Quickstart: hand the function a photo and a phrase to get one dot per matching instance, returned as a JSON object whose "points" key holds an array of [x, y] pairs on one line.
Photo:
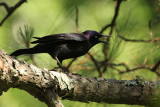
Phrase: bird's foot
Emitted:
{"points": [[57, 69], [14, 57], [60, 69]]}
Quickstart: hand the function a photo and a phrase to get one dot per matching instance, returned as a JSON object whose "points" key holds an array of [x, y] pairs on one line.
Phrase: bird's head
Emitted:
{"points": [[94, 37]]}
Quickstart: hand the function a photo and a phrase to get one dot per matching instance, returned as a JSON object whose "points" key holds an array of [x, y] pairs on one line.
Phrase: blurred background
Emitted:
{"points": [[44, 17]]}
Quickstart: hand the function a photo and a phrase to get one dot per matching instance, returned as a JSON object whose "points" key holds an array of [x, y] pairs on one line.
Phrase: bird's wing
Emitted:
{"points": [[60, 37]]}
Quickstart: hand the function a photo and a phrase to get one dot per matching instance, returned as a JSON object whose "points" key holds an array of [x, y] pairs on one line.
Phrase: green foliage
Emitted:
{"points": [[24, 36], [116, 47], [19, 98], [58, 16]]}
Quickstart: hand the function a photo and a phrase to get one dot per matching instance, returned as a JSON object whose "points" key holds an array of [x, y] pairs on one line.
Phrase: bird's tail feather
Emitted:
{"points": [[22, 51], [36, 37]]}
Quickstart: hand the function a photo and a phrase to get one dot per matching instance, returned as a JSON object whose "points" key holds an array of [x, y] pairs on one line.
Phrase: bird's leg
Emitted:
{"points": [[59, 63]]}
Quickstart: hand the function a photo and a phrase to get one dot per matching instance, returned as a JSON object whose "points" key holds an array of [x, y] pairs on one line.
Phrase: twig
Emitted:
{"points": [[76, 21], [24, 36], [113, 65], [33, 60], [132, 69], [120, 64], [150, 29], [156, 66], [69, 65], [113, 23], [153, 69], [141, 40], [135, 40], [96, 64], [5, 6], [10, 10], [104, 28]]}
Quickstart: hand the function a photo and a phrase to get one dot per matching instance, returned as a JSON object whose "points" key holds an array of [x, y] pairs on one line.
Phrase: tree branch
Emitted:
{"points": [[96, 64], [156, 66], [141, 40], [5, 6], [118, 3], [153, 69], [127, 69], [71, 62], [10, 10], [112, 24], [46, 85]]}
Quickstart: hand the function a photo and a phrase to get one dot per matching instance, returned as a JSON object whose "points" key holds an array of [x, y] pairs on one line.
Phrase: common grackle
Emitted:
{"points": [[63, 46]]}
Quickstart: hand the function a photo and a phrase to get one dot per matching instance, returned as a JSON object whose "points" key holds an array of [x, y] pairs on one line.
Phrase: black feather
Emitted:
{"points": [[60, 37]]}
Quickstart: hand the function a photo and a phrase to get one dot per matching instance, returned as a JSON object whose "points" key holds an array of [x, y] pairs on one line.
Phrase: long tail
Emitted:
{"points": [[23, 51]]}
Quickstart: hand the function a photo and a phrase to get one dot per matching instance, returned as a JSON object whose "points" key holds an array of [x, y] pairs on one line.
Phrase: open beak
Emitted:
{"points": [[102, 38]]}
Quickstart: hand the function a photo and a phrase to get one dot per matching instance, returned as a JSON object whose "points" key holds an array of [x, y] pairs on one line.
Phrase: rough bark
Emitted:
{"points": [[48, 85]]}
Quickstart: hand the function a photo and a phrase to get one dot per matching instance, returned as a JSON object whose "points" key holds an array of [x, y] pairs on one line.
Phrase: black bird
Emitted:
{"points": [[63, 46]]}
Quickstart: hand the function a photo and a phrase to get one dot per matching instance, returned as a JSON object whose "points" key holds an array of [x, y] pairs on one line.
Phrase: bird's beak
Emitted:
{"points": [[102, 37]]}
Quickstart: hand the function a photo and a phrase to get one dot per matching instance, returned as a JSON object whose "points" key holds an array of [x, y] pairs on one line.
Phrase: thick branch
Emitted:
{"points": [[45, 85], [38, 82]]}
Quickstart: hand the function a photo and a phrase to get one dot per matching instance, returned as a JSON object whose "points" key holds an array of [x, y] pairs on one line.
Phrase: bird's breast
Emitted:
{"points": [[73, 50]]}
